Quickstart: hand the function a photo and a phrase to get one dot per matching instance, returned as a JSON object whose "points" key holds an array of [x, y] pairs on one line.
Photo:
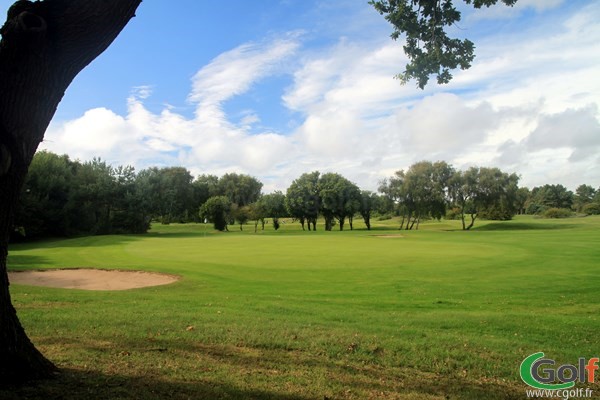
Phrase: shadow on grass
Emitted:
{"points": [[180, 235], [366, 380], [74, 242], [17, 262], [241, 372], [76, 385], [523, 226], [79, 385]]}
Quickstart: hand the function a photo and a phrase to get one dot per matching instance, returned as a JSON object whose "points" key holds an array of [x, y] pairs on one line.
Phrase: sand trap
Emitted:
{"points": [[396, 235], [90, 279]]}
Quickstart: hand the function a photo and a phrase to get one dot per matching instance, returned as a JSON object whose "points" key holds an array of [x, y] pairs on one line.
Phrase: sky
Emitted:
{"points": [[277, 88]]}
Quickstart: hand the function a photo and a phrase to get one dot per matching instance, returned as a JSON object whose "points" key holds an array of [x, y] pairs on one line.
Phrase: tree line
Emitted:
{"points": [[63, 197]]}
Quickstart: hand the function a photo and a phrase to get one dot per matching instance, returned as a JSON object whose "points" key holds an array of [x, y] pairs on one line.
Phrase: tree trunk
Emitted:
{"points": [[473, 218], [402, 222], [44, 46], [18, 357], [328, 223], [412, 224], [462, 215]]}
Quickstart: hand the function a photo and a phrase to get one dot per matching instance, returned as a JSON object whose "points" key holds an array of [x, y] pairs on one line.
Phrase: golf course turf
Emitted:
{"points": [[431, 314]]}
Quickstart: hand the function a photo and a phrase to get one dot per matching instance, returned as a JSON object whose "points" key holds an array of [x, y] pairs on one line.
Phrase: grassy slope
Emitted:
{"points": [[293, 314]]}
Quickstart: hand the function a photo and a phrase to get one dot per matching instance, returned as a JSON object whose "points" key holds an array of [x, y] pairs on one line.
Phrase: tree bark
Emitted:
{"points": [[473, 218], [342, 221], [367, 222], [44, 46]]}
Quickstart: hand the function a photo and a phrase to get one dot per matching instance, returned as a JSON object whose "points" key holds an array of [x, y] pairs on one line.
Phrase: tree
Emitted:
{"points": [[584, 194], [420, 192], [339, 198], [172, 193], [426, 183], [478, 189], [205, 187], [549, 196], [273, 206], [61, 197], [393, 197], [523, 194], [130, 211], [44, 45], [258, 214], [369, 202], [217, 210], [92, 197], [302, 199], [45, 194], [240, 214], [240, 189], [428, 47]]}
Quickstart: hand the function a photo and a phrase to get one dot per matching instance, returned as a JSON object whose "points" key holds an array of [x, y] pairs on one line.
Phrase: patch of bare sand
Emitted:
{"points": [[91, 279], [389, 236]]}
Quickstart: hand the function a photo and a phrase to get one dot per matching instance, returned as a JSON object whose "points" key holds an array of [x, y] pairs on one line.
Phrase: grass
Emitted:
{"points": [[433, 314]]}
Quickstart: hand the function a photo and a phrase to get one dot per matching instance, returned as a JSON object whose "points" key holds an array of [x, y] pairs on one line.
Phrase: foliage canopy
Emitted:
{"points": [[428, 47]]}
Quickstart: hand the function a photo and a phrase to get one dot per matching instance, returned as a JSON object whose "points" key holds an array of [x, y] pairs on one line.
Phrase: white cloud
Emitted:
{"points": [[578, 130], [233, 72], [529, 104], [501, 11]]}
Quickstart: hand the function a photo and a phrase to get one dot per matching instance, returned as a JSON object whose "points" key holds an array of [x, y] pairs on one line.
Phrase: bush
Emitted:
{"points": [[591, 209], [496, 214], [557, 213], [535, 209], [453, 213], [384, 217]]}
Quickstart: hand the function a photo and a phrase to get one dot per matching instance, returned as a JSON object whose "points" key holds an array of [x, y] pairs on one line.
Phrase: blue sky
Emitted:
{"points": [[276, 88]]}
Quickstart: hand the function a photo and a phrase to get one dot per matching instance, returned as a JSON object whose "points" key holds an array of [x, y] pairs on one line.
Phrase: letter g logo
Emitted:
{"points": [[529, 373]]}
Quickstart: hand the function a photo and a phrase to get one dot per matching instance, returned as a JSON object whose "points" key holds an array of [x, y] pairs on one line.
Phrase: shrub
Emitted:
{"points": [[384, 217], [496, 213], [557, 213], [453, 213], [535, 208], [591, 209]]}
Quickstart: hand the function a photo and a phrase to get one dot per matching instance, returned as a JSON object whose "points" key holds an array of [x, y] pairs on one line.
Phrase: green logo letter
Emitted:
{"points": [[527, 375]]}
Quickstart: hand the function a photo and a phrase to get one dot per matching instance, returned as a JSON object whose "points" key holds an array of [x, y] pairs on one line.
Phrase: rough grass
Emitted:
{"points": [[434, 314]]}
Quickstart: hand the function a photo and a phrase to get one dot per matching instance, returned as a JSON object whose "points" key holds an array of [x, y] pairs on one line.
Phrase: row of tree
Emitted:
{"points": [[427, 189], [62, 197]]}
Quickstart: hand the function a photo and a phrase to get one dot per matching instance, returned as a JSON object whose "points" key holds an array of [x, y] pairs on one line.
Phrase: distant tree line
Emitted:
{"points": [[62, 197]]}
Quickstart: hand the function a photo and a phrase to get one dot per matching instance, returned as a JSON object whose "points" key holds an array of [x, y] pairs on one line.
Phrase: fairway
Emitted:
{"points": [[431, 314]]}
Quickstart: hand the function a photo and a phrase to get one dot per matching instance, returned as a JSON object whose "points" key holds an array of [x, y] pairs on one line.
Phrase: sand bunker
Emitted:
{"points": [[389, 236], [91, 279]]}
